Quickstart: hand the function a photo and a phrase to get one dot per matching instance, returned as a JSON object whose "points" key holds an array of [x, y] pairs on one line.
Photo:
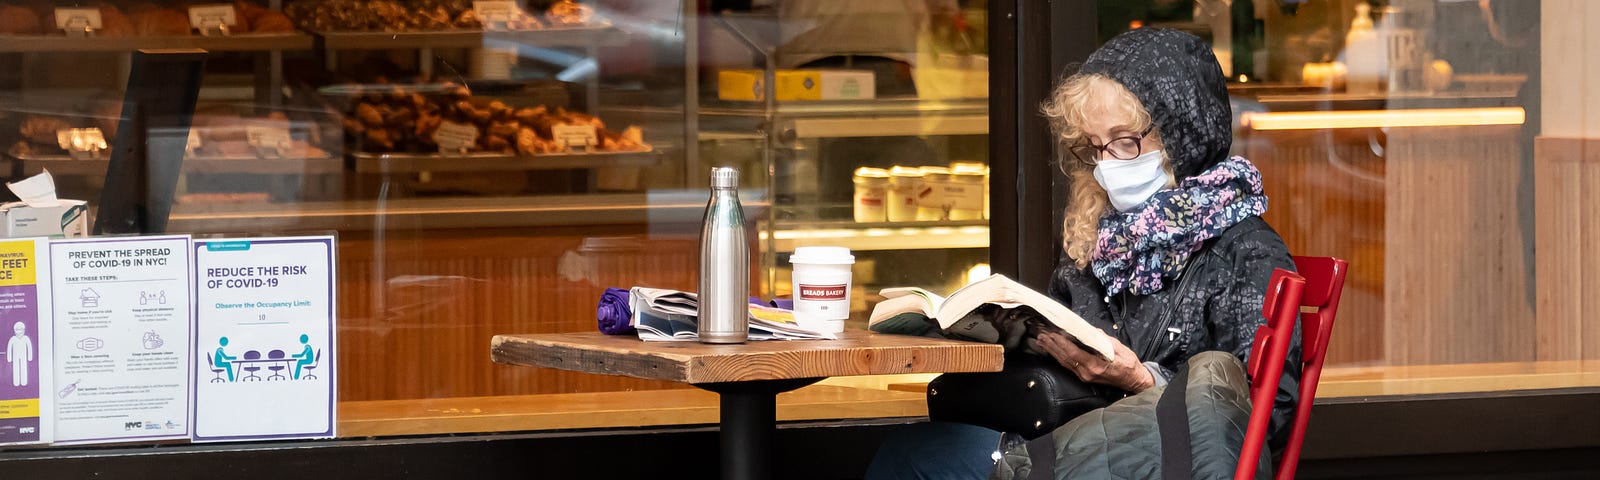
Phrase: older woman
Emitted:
{"points": [[1164, 247]]}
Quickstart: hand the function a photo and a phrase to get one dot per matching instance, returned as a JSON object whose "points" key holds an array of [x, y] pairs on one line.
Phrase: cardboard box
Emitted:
{"points": [[848, 85], [791, 85], [67, 219]]}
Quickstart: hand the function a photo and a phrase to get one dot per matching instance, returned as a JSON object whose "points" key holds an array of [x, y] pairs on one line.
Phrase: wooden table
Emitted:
{"points": [[748, 377]]}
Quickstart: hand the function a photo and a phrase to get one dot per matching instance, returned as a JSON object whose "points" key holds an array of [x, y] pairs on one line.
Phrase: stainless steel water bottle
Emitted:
{"points": [[724, 263]]}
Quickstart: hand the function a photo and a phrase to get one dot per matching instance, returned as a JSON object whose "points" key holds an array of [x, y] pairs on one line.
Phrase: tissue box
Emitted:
{"points": [[848, 85], [792, 85], [68, 219]]}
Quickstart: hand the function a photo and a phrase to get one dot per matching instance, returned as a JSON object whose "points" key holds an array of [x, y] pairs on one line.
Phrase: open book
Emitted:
{"points": [[995, 309], [671, 315]]}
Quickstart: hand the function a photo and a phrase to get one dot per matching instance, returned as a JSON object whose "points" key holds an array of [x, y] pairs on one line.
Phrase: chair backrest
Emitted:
{"points": [[1324, 284], [1267, 356], [210, 363]]}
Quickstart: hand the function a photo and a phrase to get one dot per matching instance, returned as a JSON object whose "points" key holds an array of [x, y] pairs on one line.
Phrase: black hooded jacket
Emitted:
{"points": [[1216, 303]]}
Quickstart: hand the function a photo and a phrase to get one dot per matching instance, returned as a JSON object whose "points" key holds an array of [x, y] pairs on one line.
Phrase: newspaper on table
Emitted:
{"points": [[670, 315]]}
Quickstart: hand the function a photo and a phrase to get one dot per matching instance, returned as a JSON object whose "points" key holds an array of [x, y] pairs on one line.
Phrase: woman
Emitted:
{"points": [[1163, 242]]}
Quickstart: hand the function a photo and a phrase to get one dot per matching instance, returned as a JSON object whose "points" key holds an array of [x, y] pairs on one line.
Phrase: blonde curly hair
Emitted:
{"points": [[1070, 105]]}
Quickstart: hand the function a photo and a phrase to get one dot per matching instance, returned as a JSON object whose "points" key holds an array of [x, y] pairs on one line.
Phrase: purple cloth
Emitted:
{"points": [[782, 303], [613, 313]]}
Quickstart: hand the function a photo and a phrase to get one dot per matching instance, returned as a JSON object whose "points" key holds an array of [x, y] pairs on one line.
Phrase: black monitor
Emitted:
{"points": [[147, 153]]}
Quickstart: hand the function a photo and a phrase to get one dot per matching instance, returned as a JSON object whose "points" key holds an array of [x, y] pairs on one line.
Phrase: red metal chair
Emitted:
{"points": [[1323, 282], [1267, 355]]}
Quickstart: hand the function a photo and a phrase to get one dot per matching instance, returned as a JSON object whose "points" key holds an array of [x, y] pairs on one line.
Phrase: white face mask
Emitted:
{"points": [[1131, 182]]}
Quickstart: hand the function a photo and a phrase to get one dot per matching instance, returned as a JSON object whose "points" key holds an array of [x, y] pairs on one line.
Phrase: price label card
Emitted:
{"points": [[80, 142], [455, 137], [270, 141], [78, 19], [494, 12], [211, 16], [574, 135]]}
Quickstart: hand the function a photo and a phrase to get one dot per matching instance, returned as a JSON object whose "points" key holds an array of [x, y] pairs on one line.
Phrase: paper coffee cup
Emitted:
{"points": [[822, 284]]}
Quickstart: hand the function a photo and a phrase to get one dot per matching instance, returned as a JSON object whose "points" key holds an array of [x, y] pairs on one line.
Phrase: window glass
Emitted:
{"points": [[493, 170], [1435, 145]]}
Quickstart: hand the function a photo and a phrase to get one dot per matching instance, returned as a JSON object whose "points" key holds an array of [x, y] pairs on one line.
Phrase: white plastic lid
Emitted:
{"points": [[822, 256]]}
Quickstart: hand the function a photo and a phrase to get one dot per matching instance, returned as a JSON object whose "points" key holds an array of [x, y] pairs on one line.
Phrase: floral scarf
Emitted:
{"points": [[1141, 249]]}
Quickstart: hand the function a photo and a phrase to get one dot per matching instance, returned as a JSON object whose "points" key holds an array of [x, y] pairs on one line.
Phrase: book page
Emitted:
{"points": [[997, 289]]}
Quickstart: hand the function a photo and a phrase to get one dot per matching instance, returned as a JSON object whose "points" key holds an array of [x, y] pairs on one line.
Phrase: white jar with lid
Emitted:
{"points": [[872, 191], [965, 192], [932, 205], [905, 183]]}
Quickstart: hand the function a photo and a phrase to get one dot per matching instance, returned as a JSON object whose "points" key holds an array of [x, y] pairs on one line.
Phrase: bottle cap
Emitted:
{"points": [[724, 177]]}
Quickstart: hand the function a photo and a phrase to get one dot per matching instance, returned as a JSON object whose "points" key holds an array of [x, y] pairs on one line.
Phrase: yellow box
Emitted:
{"points": [[792, 85]]}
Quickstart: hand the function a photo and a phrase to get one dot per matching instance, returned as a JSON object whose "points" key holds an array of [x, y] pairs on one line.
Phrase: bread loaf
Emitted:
{"points": [[17, 20], [160, 22]]}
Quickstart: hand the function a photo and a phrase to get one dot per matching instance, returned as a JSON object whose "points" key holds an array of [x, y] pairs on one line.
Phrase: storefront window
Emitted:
{"points": [[494, 171]]}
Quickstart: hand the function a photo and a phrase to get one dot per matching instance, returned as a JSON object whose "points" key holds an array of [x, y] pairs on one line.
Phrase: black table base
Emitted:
{"points": [[749, 417]]}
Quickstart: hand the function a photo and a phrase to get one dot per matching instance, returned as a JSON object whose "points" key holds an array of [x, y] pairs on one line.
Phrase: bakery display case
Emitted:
{"points": [[492, 166], [872, 119], [458, 149], [877, 176]]}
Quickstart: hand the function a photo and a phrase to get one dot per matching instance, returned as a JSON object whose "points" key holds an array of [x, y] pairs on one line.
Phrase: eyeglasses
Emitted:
{"points": [[1120, 148]]}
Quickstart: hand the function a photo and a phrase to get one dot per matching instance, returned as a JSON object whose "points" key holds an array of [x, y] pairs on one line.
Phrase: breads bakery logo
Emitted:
{"points": [[823, 292]]}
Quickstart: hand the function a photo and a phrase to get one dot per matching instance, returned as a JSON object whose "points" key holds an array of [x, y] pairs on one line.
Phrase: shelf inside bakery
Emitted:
{"points": [[861, 118], [586, 36], [247, 42], [932, 235], [390, 163], [62, 165], [684, 208]]}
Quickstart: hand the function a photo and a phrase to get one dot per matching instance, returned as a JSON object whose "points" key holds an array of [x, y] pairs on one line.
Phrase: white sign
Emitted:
{"points": [[268, 141], [122, 338], [81, 142], [494, 13], [206, 18], [78, 19], [265, 329], [455, 137], [25, 388], [574, 135]]}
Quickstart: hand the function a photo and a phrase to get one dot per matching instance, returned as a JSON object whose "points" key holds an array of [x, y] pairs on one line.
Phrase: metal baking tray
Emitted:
{"points": [[601, 34], [387, 163], [32, 164], [233, 43]]}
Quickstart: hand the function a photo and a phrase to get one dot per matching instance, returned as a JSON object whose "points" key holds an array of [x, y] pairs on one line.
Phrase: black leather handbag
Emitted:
{"points": [[1030, 396]]}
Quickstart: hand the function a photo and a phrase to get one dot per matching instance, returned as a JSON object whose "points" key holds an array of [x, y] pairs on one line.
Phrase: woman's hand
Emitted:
{"points": [[1123, 371]]}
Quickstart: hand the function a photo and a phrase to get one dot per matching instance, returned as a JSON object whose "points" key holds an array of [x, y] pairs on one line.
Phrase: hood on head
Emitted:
{"points": [[1180, 83]]}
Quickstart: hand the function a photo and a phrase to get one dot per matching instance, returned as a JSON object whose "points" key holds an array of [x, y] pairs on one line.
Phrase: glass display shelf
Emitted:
{"points": [[881, 235]]}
